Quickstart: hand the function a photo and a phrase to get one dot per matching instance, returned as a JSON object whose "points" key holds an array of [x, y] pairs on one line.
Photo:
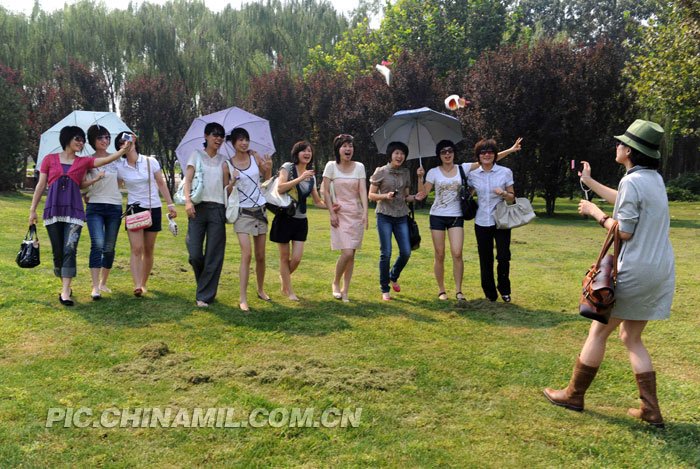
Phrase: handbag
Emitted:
{"points": [[141, 220], [277, 203], [598, 286], [232, 201], [196, 187], [28, 255], [513, 215], [413, 232], [466, 198]]}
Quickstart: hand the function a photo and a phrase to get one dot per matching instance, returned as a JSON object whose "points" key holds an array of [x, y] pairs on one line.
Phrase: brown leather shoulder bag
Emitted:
{"points": [[598, 286]]}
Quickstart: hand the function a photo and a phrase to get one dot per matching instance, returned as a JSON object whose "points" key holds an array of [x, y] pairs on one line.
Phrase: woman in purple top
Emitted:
{"points": [[63, 212]]}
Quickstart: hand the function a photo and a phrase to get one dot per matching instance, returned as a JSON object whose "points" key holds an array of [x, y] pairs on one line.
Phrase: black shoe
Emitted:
{"points": [[96, 296], [65, 302], [506, 298]]}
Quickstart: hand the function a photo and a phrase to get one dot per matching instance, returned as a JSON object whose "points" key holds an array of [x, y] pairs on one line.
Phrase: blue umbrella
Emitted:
{"points": [[49, 142], [420, 129]]}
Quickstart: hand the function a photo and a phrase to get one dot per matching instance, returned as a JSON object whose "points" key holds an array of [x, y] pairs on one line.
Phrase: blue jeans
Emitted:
{"points": [[103, 221], [387, 225]]}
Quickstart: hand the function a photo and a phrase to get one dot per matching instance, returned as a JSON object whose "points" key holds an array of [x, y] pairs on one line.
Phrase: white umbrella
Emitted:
{"points": [[419, 129], [49, 142], [257, 127]]}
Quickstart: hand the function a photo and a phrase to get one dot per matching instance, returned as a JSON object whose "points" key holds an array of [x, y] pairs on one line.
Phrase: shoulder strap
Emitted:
{"points": [[611, 240], [461, 174], [148, 165]]}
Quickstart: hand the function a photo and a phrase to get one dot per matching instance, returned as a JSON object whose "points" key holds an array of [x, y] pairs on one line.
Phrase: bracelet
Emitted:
{"points": [[602, 221], [171, 205]]}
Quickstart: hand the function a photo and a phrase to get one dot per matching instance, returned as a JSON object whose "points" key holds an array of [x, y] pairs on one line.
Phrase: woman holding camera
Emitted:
{"points": [[64, 215], [645, 268], [389, 187], [143, 179]]}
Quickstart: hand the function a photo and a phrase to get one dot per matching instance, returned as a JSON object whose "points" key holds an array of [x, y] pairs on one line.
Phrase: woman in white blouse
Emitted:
{"points": [[493, 184], [143, 187]]}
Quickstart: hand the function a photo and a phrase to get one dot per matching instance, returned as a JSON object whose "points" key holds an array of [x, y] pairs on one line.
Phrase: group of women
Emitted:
{"points": [[64, 215], [645, 281]]}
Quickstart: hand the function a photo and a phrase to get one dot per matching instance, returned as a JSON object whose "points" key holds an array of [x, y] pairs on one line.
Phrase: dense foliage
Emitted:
{"points": [[564, 75]]}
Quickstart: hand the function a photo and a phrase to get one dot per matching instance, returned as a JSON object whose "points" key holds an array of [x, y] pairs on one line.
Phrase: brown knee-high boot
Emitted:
{"points": [[649, 408], [572, 396]]}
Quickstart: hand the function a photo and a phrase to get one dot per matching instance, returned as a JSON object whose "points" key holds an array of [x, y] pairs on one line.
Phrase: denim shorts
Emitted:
{"points": [[440, 223]]}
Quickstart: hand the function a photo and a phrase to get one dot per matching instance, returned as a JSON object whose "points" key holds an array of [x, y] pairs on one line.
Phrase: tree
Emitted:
{"points": [[12, 130], [536, 93], [665, 67], [159, 110]]}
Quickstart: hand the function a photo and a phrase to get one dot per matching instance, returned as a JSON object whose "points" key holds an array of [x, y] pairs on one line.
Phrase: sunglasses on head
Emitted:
{"points": [[345, 137]]}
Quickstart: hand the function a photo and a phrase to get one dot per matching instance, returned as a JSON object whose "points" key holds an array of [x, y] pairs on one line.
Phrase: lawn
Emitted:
{"points": [[437, 385]]}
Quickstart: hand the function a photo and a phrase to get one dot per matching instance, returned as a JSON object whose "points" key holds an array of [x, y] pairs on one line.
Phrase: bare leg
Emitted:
{"points": [[65, 287], [456, 236], [593, 349], [149, 247], [136, 241], [259, 244], [347, 273], [244, 269], [285, 271], [103, 281], [95, 274], [439, 258], [631, 336]]}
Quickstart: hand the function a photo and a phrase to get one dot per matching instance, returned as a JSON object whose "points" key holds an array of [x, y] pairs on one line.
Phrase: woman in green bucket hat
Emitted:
{"points": [[646, 272]]}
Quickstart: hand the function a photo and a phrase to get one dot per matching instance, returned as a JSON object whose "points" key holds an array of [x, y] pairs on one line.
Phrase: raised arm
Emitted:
{"points": [[607, 193], [109, 158]]}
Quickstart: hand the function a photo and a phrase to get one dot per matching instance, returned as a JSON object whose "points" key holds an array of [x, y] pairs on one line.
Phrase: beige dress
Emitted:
{"points": [[346, 187]]}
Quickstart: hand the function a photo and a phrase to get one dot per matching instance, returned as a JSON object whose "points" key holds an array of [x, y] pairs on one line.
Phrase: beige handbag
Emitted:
{"points": [[514, 215]]}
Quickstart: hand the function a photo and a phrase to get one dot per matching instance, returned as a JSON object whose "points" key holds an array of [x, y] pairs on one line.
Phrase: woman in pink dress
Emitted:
{"points": [[345, 185]]}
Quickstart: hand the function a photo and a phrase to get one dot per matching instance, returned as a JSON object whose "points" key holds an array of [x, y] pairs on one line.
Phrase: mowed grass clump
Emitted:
{"points": [[437, 385]]}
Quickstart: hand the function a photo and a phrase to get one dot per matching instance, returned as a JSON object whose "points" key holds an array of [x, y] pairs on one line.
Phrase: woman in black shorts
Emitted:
{"points": [[296, 178]]}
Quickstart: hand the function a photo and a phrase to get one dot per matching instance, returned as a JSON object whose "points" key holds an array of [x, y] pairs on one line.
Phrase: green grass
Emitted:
{"points": [[438, 386]]}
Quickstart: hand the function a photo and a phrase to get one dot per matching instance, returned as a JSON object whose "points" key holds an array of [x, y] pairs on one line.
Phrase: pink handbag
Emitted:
{"points": [[141, 220]]}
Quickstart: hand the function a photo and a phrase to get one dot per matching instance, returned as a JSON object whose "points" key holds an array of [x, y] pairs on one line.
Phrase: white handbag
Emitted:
{"points": [[514, 215], [197, 186], [232, 205], [272, 195]]}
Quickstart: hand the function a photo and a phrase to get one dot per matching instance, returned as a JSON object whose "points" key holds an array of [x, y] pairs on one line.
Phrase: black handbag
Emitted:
{"points": [[413, 233], [466, 199], [28, 255]]}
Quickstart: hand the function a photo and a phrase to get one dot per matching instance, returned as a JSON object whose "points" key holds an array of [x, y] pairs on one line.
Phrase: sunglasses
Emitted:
{"points": [[618, 143], [217, 134], [104, 137], [79, 139], [345, 137], [486, 152], [447, 151]]}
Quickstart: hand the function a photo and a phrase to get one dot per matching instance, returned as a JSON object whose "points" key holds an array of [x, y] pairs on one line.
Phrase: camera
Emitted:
{"points": [[127, 138], [396, 193]]}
